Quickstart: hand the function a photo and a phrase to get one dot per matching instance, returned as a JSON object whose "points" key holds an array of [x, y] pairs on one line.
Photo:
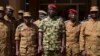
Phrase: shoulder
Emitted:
{"points": [[20, 26], [66, 21], [59, 18]]}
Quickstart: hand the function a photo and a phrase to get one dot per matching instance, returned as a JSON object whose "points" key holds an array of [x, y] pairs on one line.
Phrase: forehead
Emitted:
{"points": [[71, 14], [20, 13], [51, 9], [26, 17], [42, 14]]}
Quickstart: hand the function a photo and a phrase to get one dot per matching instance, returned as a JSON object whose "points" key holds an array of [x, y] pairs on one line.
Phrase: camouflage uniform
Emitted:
{"points": [[52, 29], [28, 39], [5, 38], [90, 37], [72, 38], [13, 25]]}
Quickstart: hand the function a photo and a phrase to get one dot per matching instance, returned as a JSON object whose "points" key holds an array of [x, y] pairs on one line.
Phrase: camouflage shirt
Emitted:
{"points": [[26, 35], [5, 38], [52, 29], [90, 36], [72, 32]]}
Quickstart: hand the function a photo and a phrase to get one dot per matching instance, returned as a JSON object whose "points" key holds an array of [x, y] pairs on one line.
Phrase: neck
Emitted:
{"points": [[93, 19], [9, 16], [1, 18], [73, 21], [29, 25]]}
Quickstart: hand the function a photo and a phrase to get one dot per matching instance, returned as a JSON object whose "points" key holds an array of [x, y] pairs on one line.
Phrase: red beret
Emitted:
{"points": [[72, 11], [52, 6]]}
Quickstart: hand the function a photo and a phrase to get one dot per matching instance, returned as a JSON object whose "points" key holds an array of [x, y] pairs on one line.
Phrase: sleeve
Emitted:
{"points": [[41, 26], [17, 34], [62, 25], [81, 39]]}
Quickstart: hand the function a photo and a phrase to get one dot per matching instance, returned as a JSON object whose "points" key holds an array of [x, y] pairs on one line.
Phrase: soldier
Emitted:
{"points": [[51, 30], [72, 34], [5, 35], [9, 17], [20, 17], [42, 15], [90, 33], [26, 39]]}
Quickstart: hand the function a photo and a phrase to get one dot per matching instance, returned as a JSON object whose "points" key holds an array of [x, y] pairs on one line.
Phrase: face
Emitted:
{"points": [[9, 12], [1, 14], [52, 12], [42, 16], [27, 20], [89, 16], [94, 14], [20, 15], [72, 17]]}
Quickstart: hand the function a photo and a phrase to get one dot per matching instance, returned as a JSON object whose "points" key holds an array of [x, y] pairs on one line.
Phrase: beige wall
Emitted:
{"points": [[17, 4]]}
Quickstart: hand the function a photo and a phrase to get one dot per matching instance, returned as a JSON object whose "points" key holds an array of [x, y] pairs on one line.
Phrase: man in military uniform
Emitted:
{"points": [[42, 15], [90, 34], [72, 34], [5, 35], [26, 39], [52, 29], [9, 17], [20, 17]]}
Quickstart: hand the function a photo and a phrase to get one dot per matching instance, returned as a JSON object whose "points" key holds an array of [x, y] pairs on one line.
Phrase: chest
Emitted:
{"points": [[27, 32], [92, 27], [72, 29], [51, 25], [3, 30]]}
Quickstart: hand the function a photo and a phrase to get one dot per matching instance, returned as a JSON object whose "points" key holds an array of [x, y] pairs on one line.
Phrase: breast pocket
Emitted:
{"points": [[88, 31], [24, 33], [98, 31]]}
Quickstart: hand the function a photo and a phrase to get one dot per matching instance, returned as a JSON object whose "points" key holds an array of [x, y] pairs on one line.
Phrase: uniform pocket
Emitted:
{"points": [[22, 50]]}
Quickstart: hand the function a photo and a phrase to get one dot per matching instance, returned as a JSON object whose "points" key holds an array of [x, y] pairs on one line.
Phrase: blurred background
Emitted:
{"points": [[82, 6]]}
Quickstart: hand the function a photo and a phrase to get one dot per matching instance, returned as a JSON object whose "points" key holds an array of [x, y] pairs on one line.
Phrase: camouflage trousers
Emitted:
{"points": [[51, 53], [72, 49], [30, 51]]}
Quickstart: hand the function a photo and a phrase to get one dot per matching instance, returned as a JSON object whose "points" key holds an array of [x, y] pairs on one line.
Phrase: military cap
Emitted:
{"points": [[9, 7], [72, 11], [20, 11], [94, 8], [26, 14], [42, 11], [52, 6], [1, 8]]}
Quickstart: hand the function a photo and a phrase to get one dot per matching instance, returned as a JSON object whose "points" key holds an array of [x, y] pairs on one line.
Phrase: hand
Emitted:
{"points": [[83, 53], [62, 49], [17, 53], [40, 49]]}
